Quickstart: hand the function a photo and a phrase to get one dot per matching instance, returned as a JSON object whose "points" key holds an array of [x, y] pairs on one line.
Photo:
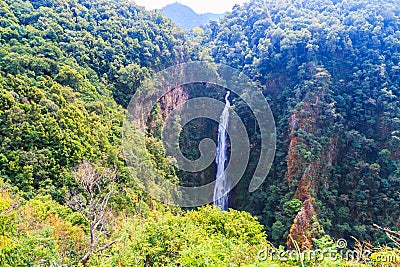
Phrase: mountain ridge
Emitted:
{"points": [[185, 17]]}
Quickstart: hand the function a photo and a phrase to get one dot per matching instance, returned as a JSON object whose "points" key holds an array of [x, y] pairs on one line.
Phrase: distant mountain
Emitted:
{"points": [[185, 17]]}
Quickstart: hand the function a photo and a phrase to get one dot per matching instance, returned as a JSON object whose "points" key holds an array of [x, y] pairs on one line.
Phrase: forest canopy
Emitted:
{"points": [[68, 69], [330, 70]]}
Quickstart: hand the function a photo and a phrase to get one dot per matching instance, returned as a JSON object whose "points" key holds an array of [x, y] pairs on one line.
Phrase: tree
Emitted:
{"points": [[95, 190]]}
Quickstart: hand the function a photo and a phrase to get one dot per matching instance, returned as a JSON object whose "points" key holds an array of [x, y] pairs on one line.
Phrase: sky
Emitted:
{"points": [[199, 6]]}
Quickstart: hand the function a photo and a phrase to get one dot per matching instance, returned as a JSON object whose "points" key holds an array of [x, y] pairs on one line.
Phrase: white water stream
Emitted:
{"points": [[221, 183]]}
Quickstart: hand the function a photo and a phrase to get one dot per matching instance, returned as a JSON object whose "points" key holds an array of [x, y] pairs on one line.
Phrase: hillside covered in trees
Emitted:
{"points": [[68, 69], [331, 72]]}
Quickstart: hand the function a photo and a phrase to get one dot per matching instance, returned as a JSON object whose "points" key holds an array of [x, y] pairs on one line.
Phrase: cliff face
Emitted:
{"points": [[308, 158], [172, 100], [302, 229], [161, 111]]}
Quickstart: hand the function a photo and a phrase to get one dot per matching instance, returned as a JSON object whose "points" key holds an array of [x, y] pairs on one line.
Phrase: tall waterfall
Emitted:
{"points": [[221, 183]]}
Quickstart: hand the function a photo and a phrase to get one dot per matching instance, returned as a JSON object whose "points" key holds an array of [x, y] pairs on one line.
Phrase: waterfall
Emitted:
{"points": [[221, 183]]}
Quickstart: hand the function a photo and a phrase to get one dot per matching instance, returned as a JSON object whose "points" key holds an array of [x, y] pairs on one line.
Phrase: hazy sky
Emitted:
{"points": [[200, 6]]}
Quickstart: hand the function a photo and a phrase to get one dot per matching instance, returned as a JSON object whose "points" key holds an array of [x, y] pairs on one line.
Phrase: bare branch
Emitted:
{"points": [[393, 235], [108, 245], [97, 189]]}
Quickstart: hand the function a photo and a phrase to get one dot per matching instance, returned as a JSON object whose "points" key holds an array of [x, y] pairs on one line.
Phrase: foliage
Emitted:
{"points": [[63, 65], [203, 237], [68, 68], [38, 232], [330, 71]]}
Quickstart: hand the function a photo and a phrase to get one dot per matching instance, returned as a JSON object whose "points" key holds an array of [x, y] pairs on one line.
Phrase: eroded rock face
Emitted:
{"points": [[304, 166], [172, 100], [301, 230], [301, 224], [165, 105]]}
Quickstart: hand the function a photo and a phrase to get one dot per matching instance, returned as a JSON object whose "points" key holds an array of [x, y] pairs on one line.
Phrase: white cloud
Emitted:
{"points": [[199, 6]]}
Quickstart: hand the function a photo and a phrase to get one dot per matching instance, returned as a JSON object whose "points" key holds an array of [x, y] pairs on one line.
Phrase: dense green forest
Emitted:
{"points": [[331, 72], [68, 69]]}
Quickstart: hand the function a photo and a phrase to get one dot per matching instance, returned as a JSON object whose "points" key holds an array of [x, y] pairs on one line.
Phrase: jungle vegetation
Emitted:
{"points": [[68, 69]]}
